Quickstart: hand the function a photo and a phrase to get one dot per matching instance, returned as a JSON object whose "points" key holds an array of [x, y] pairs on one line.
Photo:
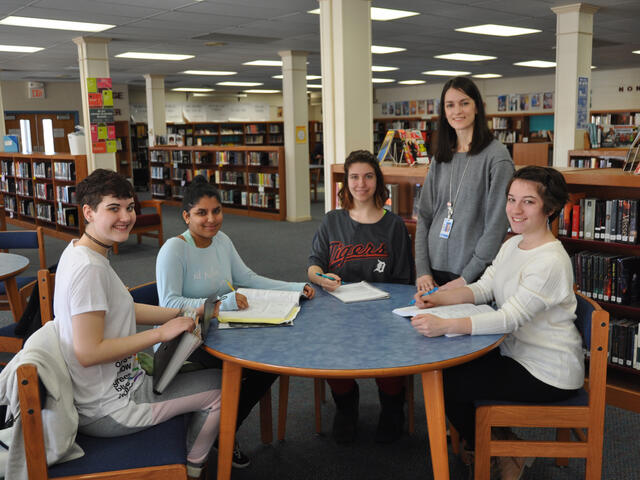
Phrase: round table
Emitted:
{"points": [[331, 339], [12, 265]]}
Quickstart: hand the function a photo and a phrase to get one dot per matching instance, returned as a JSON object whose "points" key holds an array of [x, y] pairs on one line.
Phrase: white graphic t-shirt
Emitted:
{"points": [[85, 282]]}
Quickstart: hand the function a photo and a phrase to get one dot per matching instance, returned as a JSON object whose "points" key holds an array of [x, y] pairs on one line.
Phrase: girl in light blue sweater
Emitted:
{"points": [[203, 262]]}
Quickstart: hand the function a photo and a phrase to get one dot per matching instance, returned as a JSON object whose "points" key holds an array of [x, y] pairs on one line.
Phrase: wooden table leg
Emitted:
{"points": [[283, 403], [231, 376], [434, 407], [13, 295], [266, 420]]}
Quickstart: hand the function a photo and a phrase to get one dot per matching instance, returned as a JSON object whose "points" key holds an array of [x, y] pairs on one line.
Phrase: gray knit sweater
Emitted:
{"points": [[479, 219]]}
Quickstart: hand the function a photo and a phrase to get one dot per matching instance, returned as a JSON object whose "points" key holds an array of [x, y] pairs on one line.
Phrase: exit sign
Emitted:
{"points": [[36, 89]]}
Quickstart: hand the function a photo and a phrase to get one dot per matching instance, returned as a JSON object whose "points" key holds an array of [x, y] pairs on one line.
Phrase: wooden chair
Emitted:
{"points": [[120, 458], [147, 293], [147, 224], [583, 411], [19, 239], [319, 396]]}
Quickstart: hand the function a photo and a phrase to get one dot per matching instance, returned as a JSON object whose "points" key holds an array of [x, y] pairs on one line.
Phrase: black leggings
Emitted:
{"points": [[491, 377], [254, 383]]}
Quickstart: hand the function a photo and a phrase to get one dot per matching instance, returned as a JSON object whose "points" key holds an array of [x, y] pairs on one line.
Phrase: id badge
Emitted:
{"points": [[446, 227]]}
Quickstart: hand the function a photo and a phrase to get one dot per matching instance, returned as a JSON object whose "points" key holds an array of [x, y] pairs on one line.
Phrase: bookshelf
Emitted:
{"points": [[623, 384], [123, 153], [39, 190], [617, 127], [597, 158], [139, 155], [251, 179], [225, 133]]}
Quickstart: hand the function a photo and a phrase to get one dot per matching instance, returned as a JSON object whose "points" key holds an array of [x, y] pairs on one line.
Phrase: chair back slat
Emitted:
{"points": [[46, 285], [146, 293], [22, 239], [584, 311]]}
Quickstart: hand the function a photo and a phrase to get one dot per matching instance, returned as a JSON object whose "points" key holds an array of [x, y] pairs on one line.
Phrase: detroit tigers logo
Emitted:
{"points": [[380, 267], [339, 253]]}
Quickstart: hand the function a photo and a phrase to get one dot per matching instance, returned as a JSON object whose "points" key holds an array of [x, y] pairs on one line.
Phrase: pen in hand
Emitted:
{"points": [[433, 290], [326, 276], [231, 286]]}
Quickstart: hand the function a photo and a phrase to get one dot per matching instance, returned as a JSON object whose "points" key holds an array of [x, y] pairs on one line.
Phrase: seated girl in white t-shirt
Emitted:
{"points": [[96, 319]]}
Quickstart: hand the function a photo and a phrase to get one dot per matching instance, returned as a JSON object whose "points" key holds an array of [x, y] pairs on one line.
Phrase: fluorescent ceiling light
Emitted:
{"points": [[55, 24], [593, 66], [19, 49], [154, 56], [381, 14], [379, 49], [465, 57], [382, 80], [265, 63], [203, 94], [310, 85], [191, 89], [497, 30], [486, 75], [259, 90], [446, 73], [239, 84], [536, 64], [208, 72], [379, 68], [309, 77], [637, 52], [412, 82]]}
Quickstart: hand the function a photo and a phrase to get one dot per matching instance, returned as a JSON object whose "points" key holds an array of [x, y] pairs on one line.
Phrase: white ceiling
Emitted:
{"points": [[258, 29]]}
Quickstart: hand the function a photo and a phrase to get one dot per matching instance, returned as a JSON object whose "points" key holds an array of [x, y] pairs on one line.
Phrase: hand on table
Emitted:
{"points": [[425, 283], [241, 301], [308, 291]]}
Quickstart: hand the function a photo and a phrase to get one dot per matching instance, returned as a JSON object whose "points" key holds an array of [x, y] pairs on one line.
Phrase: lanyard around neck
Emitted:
{"points": [[451, 202]]}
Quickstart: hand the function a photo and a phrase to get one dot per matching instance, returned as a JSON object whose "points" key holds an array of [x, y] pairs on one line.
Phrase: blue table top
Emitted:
{"points": [[330, 335]]}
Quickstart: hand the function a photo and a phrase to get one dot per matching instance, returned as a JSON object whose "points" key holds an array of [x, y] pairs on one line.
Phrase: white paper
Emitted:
{"points": [[448, 311], [358, 292]]}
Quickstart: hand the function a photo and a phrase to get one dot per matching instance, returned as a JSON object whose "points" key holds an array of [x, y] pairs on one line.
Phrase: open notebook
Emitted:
{"points": [[447, 311], [272, 307], [358, 292]]}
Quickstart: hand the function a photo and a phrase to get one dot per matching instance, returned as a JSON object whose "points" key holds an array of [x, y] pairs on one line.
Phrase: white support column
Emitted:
{"points": [[296, 141], [347, 92], [156, 117], [93, 59], [574, 35], [3, 130]]}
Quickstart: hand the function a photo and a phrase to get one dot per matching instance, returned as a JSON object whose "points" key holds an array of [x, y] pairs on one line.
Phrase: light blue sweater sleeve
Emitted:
{"points": [[171, 268]]}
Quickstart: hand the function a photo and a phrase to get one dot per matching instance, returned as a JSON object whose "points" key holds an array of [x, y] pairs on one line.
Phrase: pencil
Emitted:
{"points": [[231, 286]]}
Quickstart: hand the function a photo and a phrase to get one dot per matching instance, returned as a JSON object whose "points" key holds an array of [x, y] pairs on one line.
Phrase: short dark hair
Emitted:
{"points": [[362, 156], [551, 186], [447, 137], [198, 188], [101, 183]]}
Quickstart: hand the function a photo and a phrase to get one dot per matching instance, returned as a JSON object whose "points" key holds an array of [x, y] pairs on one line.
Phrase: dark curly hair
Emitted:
{"points": [[101, 183], [362, 156], [551, 187]]}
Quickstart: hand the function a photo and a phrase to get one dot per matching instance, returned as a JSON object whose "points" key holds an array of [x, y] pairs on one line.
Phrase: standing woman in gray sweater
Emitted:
{"points": [[461, 219]]}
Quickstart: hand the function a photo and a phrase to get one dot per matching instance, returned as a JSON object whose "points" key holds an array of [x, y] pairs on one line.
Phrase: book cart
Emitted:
{"points": [[623, 383], [39, 190], [251, 179]]}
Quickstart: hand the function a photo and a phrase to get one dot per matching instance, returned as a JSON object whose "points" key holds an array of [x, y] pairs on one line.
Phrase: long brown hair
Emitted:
{"points": [[362, 156]]}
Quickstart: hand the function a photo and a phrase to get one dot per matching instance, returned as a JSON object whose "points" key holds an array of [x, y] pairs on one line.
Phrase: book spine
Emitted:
{"points": [[581, 220], [614, 220], [619, 221], [636, 347], [633, 221], [626, 211], [575, 221], [607, 221], [589, 218], [613, 341]]}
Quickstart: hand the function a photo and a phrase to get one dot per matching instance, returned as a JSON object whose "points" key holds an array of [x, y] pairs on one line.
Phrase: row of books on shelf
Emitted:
{"points": [[607, 277], [604, 220], [26, 207], [41, 170], [595, 162], [7, 185], [64, 171], [45, 211], [624, 343], [44, 191], [23, 170], [67, 216], [616, 118], [66, 193], [6, 168], [24, 187], [242, 198], [10, 204], [506, 136], [160, 173]]}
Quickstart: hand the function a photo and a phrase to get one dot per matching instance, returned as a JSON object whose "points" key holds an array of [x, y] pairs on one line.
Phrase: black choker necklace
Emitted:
{"points": [[103, 245]]}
